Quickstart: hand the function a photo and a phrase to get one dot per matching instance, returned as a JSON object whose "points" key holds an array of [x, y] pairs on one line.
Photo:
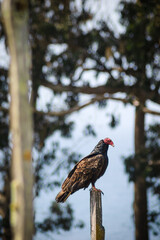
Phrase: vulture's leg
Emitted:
{"points": [[96, 189]]}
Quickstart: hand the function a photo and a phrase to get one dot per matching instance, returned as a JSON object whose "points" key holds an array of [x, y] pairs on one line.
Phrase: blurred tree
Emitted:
{"points": [[67, 44], [15, 17], [141, 49]]}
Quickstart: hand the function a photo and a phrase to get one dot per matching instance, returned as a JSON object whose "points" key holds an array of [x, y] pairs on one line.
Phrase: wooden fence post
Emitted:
{"points": [[97, 230]]}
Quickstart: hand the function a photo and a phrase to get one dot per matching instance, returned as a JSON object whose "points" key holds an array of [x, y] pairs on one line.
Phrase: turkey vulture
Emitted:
{"points": [[86, 171]]}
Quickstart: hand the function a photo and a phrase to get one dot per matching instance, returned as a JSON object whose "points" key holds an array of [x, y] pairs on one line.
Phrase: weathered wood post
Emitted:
{"points": [[97, 230]]}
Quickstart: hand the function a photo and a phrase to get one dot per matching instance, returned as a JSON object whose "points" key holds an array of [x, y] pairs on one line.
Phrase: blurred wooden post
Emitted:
{"points": [[97, 230]]}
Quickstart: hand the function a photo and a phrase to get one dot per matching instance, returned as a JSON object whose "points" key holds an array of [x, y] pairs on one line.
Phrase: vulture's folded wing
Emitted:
{"points": [[84, 171]]}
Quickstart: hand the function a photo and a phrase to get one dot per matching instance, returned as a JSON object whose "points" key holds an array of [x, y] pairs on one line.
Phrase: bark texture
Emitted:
{"points": [[15, 16], [140, 193], [97, 229]]}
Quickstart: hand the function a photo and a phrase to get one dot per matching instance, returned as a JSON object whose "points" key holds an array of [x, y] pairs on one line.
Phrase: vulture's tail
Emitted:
{"points": [[62, 196]]}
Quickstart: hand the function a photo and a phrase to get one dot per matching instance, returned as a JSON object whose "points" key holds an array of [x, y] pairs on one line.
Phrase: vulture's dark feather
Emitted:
{"points": [[86, 171]]}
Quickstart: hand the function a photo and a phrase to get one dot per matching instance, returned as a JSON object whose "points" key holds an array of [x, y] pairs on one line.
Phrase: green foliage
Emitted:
{"points": [[149, 166], [59, 218], [148, 158], [89, 131], [114, 121], [154, 221], [141, 40]]}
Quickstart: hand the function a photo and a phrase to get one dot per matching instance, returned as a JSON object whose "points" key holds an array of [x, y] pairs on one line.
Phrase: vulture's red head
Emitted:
{"points": [[108, 141]]}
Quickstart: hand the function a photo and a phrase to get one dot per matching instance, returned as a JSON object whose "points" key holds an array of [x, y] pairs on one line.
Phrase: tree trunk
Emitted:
{"points": [[15, 16], [140, 191]]}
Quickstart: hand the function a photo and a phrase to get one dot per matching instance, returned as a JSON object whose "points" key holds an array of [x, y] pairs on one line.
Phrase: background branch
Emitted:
{"points": [[104, 89]]}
